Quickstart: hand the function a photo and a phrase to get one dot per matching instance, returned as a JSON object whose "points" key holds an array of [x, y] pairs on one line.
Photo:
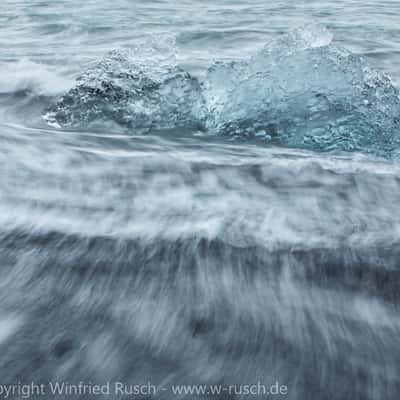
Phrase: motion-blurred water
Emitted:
{"points": [[201, 193]]}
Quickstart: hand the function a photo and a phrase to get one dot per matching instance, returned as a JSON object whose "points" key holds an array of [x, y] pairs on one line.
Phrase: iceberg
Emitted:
{"points": [[298, 91]]}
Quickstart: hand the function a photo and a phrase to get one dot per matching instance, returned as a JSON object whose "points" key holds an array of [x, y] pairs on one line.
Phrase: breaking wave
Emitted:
{"points": [[298, 91], [216, 263], [26, 76]]}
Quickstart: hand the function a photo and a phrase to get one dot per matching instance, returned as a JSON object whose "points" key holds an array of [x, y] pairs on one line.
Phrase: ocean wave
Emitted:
{"points": [[242, 194], [26, 76], [205, 259], [299, 91]]}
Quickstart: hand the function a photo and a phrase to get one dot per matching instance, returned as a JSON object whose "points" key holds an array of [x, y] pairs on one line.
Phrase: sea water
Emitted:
{"points": [[200, 193]]}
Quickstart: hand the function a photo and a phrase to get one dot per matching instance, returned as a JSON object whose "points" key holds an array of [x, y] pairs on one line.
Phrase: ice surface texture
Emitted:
{"points": [[298, 91], [141, 88]]}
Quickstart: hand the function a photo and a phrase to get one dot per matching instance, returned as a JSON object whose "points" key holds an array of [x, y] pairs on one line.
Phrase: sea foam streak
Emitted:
{"points": [[28, 76]]}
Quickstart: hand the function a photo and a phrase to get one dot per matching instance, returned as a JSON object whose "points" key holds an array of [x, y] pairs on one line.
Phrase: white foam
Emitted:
{"points": [[313, 35], [26, 75], [9, 324]]}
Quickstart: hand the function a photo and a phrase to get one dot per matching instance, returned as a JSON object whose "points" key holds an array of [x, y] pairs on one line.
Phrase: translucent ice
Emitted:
{"points": [[298, 91]]}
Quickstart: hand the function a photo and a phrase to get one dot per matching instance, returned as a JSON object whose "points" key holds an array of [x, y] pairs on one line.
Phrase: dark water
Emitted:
{"points": [[200, 193]]}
